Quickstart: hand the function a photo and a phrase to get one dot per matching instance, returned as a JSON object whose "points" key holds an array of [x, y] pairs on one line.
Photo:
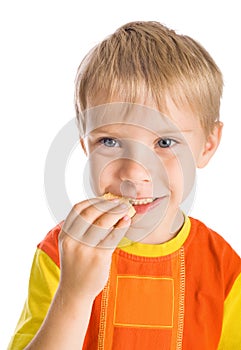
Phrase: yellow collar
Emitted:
{"points": [[156, 250]]}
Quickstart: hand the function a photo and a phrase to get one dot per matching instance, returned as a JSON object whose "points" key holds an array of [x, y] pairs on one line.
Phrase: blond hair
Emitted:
{"points": [[147, 57]]}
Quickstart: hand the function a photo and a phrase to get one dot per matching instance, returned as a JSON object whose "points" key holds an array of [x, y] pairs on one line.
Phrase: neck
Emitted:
{"points": [[167, 230]]}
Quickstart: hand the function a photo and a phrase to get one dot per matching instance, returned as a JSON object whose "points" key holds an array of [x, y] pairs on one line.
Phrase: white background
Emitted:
{"points": [[42, 43]]}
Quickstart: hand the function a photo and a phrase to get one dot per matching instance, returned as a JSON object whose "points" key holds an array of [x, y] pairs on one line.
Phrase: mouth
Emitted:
{"points": [[141, 205], [144, 205], [141, 201]]}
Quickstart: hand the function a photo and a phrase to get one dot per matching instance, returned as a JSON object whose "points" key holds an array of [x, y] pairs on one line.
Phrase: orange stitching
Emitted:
{"points": [[103, 315], [181, 300]]}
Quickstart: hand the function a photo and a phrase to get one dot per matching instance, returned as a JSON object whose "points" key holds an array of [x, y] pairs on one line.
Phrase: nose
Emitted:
{"points": [[134, 172], [138, 163]]}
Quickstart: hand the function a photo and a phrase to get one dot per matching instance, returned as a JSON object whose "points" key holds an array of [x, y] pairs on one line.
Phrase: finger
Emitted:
{"points": [[112, 240], [92, 233], [93, 236], [112, 216], [77, 209], [87, 217]]}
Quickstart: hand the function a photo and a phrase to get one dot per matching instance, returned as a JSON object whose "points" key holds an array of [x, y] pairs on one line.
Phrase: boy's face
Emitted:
{"points": [[136, 152]]}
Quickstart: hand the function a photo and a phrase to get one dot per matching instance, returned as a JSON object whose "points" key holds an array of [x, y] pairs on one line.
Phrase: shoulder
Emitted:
{"points": [[201, 233], [213, 254], [49, 244]]}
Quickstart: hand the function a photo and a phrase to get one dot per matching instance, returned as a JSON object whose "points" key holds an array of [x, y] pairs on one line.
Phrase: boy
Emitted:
{"points": [[147, 102]]}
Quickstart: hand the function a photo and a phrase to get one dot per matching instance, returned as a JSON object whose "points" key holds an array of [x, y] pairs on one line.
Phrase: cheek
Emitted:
{"points": [[108, 174], [175, 174], [181, 172], [101, 173]]}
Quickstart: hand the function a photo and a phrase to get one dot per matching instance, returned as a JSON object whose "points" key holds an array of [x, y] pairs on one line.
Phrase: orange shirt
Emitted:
{"points": [[183, 294]]}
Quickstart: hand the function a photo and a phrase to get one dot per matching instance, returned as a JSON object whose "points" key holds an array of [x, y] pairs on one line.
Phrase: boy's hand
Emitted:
{"points": [[88, 238]]}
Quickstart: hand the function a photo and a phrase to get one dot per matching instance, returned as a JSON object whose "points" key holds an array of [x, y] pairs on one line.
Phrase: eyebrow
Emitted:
{"points": [[120, 134]]}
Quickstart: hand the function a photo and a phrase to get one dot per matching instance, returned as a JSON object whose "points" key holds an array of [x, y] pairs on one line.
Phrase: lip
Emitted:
{"points": [[144, 208]]}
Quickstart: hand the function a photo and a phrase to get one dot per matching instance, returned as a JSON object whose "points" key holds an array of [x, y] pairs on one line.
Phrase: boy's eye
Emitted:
{"points": [[166, 143], [109, 142]]}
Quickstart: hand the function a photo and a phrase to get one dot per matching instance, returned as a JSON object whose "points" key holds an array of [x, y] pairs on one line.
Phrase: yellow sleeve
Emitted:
{"points": [[43, 282], [231, 331]]}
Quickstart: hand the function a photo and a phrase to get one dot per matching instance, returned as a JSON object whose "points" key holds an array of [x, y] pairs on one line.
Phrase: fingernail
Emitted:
{"points": [[126, 218], [124, 206], [114, 200]]}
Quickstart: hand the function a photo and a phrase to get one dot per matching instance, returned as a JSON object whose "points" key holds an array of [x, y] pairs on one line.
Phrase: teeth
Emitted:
{"points": [[140, 201]]}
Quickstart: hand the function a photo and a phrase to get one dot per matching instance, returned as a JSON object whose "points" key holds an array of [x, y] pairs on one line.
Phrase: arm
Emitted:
{"points": [[89, 236], [231, 335], [65, 324], [43, 283]]}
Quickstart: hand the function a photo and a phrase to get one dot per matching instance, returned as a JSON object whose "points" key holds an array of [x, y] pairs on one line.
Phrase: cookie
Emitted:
{"points": [[131, 211]]}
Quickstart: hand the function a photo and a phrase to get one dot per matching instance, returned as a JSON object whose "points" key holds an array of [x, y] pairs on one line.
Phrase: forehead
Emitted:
{"points": [[119, 115]]}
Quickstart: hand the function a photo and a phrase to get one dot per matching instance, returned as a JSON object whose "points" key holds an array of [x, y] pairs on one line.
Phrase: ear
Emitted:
{"points": [[210, 146], [83, 146]]}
